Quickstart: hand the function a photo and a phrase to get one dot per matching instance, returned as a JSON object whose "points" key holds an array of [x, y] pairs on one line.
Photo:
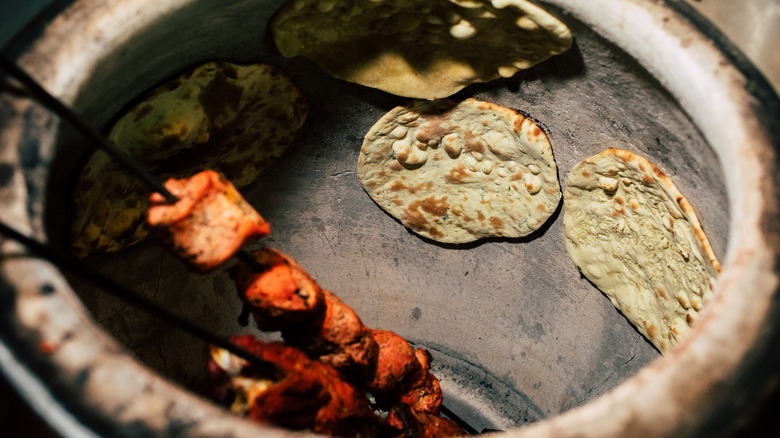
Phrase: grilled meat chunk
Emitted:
{"points": [[282, 295], [209, 222]]}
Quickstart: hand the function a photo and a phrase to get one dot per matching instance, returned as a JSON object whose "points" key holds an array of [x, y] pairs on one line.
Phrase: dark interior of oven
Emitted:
{"points": [[516, 333]]}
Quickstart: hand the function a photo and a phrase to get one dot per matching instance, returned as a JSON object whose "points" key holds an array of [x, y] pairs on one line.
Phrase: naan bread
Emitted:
{"points": [[234, 119], [638, 240], [426, 49], [459, 172]]}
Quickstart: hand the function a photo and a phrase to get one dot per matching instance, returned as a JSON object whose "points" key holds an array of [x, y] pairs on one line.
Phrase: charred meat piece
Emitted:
{"points": [[282, 295], [338, 338], [403, 375], [395, 362], [413, 423], [208, 224], [424, 390], [303, 394]]}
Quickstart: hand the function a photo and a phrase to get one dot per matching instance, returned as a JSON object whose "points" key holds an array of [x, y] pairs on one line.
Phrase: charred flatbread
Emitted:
{"points": [[234, 119], [426, 49], [459, 172], [631, 233]]}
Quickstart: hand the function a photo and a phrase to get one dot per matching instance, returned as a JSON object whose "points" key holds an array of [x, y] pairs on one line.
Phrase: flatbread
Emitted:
{"points": [[234, 119], [460, 172], [425, 49], [631, 233]]}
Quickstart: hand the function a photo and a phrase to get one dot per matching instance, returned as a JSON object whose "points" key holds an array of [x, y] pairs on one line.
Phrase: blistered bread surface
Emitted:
{"points": [[460, 172], [631, 233]]}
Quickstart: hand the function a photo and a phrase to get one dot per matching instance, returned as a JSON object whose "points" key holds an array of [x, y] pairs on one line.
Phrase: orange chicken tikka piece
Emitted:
{"points": [[208, 224]]}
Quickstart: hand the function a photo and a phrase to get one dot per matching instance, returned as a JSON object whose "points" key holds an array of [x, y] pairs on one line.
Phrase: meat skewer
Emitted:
{"points": [[379, 361], [166, 194], [210, 223]]}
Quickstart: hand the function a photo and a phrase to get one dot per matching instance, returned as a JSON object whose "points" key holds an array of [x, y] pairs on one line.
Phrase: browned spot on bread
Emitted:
{"points": [[652, 331], [634, 204], [480, 216], [475, 146], [173, 136], [496, 223], [395, 166], [218, 96], [436, 128], [436, 207], [473, 143], [435, 232], [397, 186], [517, 176], [541, 207], [662, 292], [457, 175], [414, 218], [647, 179], [658, 172], [585, 173], [520, 120], [485, 106], [403, 156], [535, 131], [619, 200]]}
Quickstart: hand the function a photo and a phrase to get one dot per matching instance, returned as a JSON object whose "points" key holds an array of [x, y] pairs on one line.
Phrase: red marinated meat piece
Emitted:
{"points": [[303, 394], [424, 393], [395, 362], [210, 222], [418, 424], [339, 338], [277, 291]]}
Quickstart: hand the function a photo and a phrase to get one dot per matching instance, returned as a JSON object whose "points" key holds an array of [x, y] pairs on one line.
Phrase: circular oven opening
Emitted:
{"points": [[516, 333]]}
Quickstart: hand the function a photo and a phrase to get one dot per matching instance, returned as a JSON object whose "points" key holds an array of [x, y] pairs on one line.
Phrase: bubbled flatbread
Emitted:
{"points": [[460, 172], [234, 119], [426, 49], [632, 234]]}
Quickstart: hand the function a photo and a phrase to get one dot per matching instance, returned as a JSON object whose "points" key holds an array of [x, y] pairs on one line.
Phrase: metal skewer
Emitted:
{"points": [[65, 113], [135, 299]]}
